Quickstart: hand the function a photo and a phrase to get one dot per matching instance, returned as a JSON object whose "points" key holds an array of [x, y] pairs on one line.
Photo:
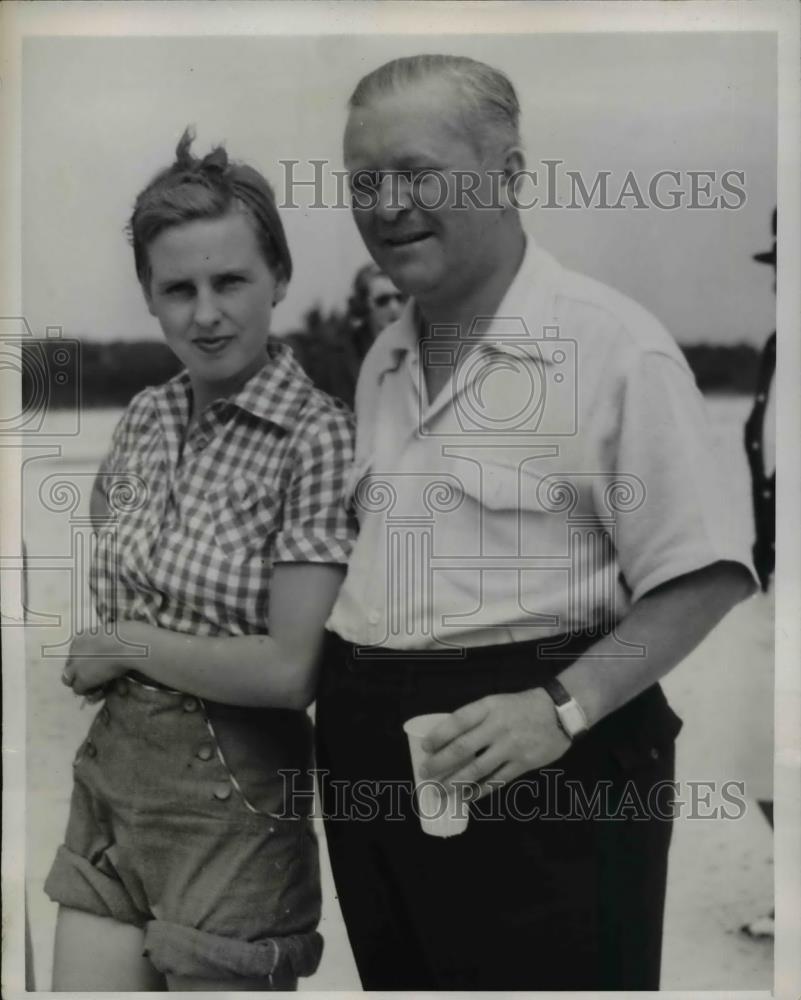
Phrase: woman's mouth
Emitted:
{"points": [[212, 345]]}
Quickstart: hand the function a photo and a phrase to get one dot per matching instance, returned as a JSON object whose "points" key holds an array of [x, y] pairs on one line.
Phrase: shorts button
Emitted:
{"points": [[654, 753], [205, 752], [121, 686], [222, 792], [91, 749], [190, 704]]}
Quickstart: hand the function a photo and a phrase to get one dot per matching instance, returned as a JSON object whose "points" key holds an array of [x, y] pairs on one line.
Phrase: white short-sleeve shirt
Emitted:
{"points": [[566, 469]]}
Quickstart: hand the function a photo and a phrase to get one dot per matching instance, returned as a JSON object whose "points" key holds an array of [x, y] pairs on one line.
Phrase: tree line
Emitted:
{"points": [[61, 371]]}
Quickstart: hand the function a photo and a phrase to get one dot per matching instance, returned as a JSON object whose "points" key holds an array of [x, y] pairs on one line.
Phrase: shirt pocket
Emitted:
{"points": [[512, 485], [245, 516]]}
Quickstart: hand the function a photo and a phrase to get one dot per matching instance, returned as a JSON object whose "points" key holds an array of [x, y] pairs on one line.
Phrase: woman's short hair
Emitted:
{"points": [[359, 301], [487, 95], [207, 188]]}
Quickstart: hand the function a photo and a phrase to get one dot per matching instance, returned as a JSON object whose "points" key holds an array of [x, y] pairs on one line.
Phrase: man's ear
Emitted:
{"points": [[514, 163]]}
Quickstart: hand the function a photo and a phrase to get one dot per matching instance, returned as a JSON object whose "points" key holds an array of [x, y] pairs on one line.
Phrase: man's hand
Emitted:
{"points": [[494, 740], [94, 661]]}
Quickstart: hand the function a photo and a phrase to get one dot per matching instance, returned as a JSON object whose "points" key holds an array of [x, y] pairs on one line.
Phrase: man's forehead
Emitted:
{"points": [[412, 113]]}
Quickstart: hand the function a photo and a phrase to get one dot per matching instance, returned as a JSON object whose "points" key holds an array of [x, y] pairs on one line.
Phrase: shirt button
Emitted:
{"points": [[190, 704], [91, 749], [755, 446], [205, 752], [222, 792], [105, 715], [767, 494], [373, 617], [654, 753], [121, 686], [761, 397]]}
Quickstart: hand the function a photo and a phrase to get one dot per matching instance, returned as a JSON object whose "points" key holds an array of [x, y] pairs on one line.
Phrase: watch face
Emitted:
{"points": [[572, 718]]}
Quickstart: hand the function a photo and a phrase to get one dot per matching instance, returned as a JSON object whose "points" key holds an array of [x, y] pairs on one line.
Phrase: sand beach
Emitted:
{"points": [[721, 872]]}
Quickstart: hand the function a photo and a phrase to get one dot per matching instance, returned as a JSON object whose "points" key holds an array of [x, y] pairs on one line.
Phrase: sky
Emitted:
{"points": [[101, 115]]}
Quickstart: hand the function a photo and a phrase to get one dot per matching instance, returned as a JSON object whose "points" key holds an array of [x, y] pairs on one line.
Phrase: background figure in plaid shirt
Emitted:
{"points": [[219, 515]]}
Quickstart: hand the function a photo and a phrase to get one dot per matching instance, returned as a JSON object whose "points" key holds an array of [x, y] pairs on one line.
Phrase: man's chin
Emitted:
{"points": [[415, 280]]}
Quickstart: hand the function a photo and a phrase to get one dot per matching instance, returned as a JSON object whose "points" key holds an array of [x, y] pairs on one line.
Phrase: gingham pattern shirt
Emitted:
{"points": [[258, 480]]}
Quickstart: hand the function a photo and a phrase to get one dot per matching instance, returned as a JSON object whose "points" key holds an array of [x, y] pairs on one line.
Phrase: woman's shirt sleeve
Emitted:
{"points": [[317, 526]]}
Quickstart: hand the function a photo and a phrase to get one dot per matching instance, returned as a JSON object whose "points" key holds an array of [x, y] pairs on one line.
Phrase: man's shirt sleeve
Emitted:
{"points": [[690, 516]]}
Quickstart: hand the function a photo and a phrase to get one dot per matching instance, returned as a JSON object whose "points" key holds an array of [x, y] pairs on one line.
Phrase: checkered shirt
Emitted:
{"points": [[200, 517]]}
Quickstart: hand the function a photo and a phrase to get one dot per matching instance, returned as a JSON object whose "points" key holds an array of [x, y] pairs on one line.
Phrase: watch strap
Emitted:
{"points": [[557, 691], [569, 714]]}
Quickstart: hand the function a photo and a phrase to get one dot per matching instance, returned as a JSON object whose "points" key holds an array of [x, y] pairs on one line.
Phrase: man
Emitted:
{"points": [[536, 497]]}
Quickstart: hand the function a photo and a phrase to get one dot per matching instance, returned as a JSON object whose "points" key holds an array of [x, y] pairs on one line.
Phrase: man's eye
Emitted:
{"points": [[365, 181], [230, 281]]}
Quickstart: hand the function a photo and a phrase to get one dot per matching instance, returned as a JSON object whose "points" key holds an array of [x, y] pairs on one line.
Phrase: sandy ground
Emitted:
{"points": [[721, 871]]}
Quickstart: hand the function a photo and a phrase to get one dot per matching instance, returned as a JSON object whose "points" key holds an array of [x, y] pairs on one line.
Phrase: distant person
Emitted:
{"points": [[374, 303], [333, 358], [182, 866], [760, 447]]}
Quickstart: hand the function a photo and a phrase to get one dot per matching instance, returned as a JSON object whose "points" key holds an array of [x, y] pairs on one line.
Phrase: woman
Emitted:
{"points": [[332, 353], [374, 303], [188, 861]]}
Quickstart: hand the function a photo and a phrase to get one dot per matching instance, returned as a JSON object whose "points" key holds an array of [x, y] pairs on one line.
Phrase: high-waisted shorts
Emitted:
{"points": [[186, 820]]}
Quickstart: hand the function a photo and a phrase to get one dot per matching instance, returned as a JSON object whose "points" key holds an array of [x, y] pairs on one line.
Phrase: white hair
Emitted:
{"points": [[488, 96]]}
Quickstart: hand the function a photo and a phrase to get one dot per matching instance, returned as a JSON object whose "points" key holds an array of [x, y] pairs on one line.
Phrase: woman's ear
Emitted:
{"points": [[280, 290], [149, 300]]}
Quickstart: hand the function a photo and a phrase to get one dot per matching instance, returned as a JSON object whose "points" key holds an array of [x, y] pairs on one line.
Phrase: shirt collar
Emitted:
{"points": [[275, 393], [528, 296], [397, 340]]}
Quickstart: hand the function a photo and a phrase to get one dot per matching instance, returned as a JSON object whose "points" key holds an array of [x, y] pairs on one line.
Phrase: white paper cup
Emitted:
{"points": [[441, 814]]}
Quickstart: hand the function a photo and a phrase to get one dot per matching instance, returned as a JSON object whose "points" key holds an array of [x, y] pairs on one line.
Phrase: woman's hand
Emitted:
{"points": [[94, 661]]}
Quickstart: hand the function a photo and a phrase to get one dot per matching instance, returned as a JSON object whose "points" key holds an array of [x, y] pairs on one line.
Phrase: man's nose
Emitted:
{"points": [[207, 310], [394, 196]]}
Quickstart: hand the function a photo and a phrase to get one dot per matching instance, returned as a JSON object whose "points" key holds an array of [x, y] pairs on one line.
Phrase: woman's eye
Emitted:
{"points": [[179, 291]]}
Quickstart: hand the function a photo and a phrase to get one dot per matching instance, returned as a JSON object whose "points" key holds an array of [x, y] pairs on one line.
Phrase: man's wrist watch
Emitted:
{"points": [[569, 714]]}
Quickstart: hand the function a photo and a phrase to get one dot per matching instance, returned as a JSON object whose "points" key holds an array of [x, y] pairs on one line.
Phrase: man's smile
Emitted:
{"points": [[406, 239]]}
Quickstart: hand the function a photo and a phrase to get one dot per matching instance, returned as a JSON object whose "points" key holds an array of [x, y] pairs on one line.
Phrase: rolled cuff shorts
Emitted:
{"points": [[180, 823]]}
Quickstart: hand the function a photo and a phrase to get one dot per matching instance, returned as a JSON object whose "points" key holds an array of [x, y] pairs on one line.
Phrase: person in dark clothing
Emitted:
{"points": [[760, 423], [760, 447]]}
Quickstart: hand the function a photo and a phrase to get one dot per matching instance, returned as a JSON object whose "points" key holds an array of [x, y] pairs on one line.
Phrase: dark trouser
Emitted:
{"points": [[521, 900]]}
